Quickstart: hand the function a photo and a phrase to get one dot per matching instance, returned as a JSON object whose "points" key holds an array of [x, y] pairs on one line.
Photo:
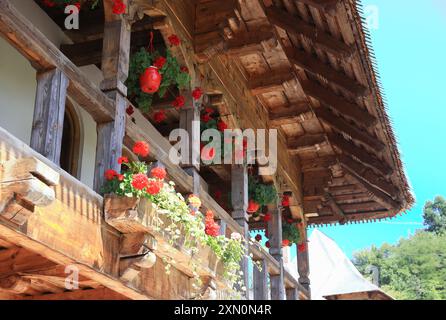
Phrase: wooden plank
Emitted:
{"points": [[342, 126], [290, 23], [292, 294], [292, 114], [315, 66], [337, 211], [340, 104], [91, 294], [49, 113]]}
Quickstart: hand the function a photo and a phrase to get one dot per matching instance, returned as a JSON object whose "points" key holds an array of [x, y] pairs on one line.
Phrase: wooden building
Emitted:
{"points": [[302, 67]]}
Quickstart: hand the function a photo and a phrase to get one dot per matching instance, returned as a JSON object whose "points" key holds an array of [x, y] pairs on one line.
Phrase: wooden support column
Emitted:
{"points": [[115, 67], [260, 281], [303, 264], [190, 121], [275, 232], [292, 294], [49, 112], [239, 199]]}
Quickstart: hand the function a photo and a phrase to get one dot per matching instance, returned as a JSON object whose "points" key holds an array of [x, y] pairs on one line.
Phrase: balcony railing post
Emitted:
{"points": [[49, 112], [239, 197], [292, 294], [190, 122], [115, 67], [303, 264], [275, 232], [260, 281]]}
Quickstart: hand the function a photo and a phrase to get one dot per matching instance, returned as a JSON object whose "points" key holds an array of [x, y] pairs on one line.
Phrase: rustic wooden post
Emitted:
{"points": [[303, 264], [275, 232], [260, 281], [190, 121], [115, 66], [239, 198], [49, 113], [292, 294]]}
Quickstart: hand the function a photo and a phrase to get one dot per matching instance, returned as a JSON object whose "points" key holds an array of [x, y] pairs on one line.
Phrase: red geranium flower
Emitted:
{"points": [[179, 102], [122, 160], [184, 69], [211, 227], [258, 238], [160, 62], [174, 40], [49, 3], [141, 148], [301, 247], [209, 110], [154, 187], [130, 110], [206, 118], [217, 195], [110, 174], [159, 116], [285, 243], [140, 181], [159, 173], [286, 201], [121, 177], [267, 244], [222, 126], [118, 7], [197, 93], [267, 217]]}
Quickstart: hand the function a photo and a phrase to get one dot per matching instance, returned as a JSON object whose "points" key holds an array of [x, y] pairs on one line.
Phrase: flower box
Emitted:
{"points": [[133, 215]]}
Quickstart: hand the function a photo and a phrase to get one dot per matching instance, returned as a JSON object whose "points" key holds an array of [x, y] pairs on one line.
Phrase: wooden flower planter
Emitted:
{"points": [[131, 215]]}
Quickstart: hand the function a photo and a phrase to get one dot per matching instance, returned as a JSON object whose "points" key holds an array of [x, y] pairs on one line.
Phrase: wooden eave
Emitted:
{"points": [[303, 67]]}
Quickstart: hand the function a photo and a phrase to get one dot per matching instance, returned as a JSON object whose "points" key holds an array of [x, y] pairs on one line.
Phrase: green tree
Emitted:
{"points": [[413, 269], [434, 214]]}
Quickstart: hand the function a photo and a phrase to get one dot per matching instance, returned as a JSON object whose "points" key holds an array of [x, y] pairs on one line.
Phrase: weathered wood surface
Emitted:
{"points": [[260, 281], [275, 232], [49, 113]]}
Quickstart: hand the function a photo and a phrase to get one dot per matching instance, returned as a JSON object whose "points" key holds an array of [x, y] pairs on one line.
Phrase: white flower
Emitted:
{"points": [[236, 236]]}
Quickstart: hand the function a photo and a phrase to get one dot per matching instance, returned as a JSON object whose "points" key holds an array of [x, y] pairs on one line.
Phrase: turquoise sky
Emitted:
{"points": [[410, 47]]}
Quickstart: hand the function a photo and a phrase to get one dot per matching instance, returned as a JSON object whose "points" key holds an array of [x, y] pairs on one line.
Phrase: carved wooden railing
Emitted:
{"points": [[58, 77]]}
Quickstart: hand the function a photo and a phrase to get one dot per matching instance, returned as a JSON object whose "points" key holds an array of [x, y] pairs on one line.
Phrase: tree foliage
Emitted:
{"points": [[415, 268], [434, 215]]}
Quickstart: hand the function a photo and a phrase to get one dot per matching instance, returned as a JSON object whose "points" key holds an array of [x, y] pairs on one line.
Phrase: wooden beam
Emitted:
{"points": [[272, 81], [349, 148], [315, 66], [291, 114], [49, 113], [290, 23], [292, 294], [325, 5], [91, 294], [337, 211], [367, 174], [306, 142], [338, 103], [317, 164], [342, 126]]}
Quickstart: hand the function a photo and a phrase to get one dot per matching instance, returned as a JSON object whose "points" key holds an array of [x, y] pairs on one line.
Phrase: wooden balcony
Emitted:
{"points": [[51, 222]]}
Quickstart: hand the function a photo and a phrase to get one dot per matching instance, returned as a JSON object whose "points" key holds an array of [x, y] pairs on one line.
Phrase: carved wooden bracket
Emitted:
{"points": [[24, 184], [137, 9]]}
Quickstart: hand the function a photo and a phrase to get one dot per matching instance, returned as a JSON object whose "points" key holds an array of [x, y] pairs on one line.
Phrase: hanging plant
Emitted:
{"points": [[142, 82], [260, 193]]}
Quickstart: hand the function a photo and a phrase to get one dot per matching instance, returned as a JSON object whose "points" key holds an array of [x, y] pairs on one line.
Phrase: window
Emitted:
{"points": [[70, 152]]}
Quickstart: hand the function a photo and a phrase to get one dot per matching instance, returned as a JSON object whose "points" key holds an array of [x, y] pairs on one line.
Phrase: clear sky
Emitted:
{"points": [[410, 47]]}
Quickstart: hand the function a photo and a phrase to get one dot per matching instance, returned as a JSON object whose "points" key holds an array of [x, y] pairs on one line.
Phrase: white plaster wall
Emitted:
{"points": [[18, 89]]}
